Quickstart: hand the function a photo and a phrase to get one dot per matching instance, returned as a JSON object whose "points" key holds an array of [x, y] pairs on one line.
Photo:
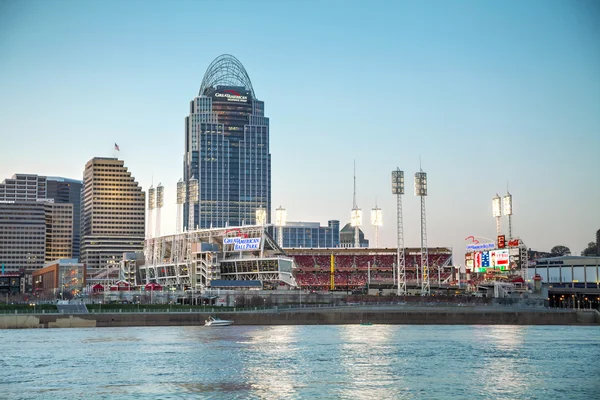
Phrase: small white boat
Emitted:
{"points": [[214, 321]]}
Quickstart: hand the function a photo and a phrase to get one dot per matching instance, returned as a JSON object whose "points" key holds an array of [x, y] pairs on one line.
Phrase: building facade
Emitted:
{"points": [[226, 150], [68, 191], [59, 230], [32, 232], [30, 187], [113, 215], [347, 237], [64, 276], [23, 187], [309, 234]]}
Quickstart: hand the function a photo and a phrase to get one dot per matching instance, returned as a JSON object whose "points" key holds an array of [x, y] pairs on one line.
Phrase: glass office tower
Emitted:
{"points": [[227, 149]]}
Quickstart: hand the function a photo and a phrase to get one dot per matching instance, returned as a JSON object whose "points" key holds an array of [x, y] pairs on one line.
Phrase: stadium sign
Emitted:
{"points": [[481, 246], [241, 244]]}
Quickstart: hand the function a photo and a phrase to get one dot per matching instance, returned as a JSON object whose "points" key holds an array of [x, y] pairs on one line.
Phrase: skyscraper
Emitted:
{"points": [[227, 149], [112, 219], [68, 191]]}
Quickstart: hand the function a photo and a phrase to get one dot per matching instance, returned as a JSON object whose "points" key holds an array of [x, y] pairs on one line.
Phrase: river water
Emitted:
{"points": [[302, 362]]}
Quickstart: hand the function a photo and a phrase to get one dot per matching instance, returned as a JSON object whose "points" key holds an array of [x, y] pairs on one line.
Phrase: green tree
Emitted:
{"points": [[559, 250], [591, 249]]}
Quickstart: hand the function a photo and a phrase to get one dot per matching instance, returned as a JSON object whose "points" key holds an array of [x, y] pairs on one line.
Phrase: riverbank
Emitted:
{"points": [[314, 316]]}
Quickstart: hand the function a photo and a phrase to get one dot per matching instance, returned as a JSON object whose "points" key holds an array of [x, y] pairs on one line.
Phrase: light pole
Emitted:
{"points": [[356, 215], [508, 212], [398, 190], [376, 221], [497, 213], [421, 191], [261, 216], [280, 221]]}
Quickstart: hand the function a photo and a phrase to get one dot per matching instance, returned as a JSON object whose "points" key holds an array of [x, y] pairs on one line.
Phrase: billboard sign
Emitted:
{"points": [[513, 243], [480, 246], [499, 259], [231, 95], [501, 241], [485, 259], [242, 244]]}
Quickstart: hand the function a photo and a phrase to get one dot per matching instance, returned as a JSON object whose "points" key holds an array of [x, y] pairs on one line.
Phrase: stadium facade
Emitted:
{"points": [[226, 150], [198, 259]]}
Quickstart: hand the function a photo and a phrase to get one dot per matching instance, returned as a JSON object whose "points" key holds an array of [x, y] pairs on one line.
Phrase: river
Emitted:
{"points": [[302, 362]]}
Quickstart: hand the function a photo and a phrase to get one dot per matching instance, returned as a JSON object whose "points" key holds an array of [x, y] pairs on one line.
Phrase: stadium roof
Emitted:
{"points": [[226, 70]]}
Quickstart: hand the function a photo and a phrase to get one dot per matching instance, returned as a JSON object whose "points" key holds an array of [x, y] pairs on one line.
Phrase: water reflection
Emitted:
{"points": [[273, 360], [502, 356], [369, 358]]}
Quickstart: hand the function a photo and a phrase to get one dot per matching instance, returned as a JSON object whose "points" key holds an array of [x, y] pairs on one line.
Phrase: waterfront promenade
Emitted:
{"points": [[310, 315]]}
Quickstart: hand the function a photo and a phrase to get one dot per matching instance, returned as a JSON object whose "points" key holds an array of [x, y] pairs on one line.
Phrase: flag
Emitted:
{"points": [[117, 147]]}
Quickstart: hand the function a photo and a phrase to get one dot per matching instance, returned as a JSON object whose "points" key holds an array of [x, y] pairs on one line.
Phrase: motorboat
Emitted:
{"points": [[214, 321]]}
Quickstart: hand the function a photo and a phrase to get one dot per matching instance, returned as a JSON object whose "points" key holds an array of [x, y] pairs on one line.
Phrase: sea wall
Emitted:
{"points": [[446, 316]]}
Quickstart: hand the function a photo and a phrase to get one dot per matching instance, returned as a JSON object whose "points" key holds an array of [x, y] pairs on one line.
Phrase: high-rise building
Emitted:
{"points": [[347, 237], [227, 149], [23, 187], [68, 191], [31, 187], [309, 234], [32, 232], [59, 230], [113, 215]]}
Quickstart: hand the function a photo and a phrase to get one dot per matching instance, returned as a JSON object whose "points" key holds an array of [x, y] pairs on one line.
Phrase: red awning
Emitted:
{"points": [[97, 288], [153, 286], [518, 279]]}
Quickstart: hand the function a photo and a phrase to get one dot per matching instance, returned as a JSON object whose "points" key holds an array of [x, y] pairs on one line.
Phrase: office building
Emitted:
{"points": [[309, 234], [23, 187], [68, 191], [32, 232], [31, 187], [227, 150], [59, 230], [347, 237], [113, 215]]}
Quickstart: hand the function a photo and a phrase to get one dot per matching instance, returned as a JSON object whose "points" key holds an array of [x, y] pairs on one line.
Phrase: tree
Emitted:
{"points": [[591, 250], [559, 250]]}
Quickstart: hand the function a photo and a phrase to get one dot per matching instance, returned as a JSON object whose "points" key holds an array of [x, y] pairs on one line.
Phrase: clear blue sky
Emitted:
{"points": [[485, 92]]}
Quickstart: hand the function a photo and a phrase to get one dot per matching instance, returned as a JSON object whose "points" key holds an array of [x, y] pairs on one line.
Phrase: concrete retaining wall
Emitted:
{"points": [[448, 315]]}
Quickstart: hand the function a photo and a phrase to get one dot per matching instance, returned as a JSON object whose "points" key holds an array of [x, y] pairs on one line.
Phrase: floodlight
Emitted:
{"points": [[508, 204], [496, 209], [356, 217], [376, 217], [397, 182], [421, 184]]}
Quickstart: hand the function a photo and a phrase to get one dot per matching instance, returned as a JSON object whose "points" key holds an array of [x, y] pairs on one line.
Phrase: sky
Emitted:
{"points": [[484, 96]]}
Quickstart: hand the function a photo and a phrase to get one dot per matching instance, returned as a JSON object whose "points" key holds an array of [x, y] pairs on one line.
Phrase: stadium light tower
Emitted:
{"points": [[497, 212], [151, 205], [356, 215], [193, 194], [398, 190], [261, 216], [180, 201], [160, 200], [280, 220], [508, 211], [376, 221], [421, 191]]}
